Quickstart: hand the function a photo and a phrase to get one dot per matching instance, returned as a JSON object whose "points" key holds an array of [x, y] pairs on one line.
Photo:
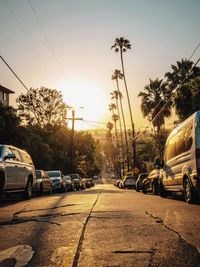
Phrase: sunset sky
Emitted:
{"points": [[65, 44]]}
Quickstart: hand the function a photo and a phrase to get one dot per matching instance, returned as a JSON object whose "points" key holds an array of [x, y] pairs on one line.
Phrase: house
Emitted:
{"points": [[4, 95]]}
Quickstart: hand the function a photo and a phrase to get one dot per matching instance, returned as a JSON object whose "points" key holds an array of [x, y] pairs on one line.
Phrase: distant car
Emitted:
{"points": [[117, 182], [151, 183], [17, 171], [139, 181], [112, 176], [95, 177], [58, 181], [43, 183], [87, 182], [79, 183], [128, 182], [69, 183]]}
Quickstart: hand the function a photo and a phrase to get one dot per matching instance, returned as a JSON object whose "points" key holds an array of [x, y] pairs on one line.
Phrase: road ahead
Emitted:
{"points": [[102, 226]]}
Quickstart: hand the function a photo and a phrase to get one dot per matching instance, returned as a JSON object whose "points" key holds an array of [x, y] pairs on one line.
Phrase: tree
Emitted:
{"points": [[121, 45], [186, 99], [153, 98], [42, 107], [117, 95], [9, 125], [112, 107], [181, 72]]}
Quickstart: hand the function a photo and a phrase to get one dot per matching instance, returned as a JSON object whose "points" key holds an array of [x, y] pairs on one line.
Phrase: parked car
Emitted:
{"points": [[140, 179], [117, 182], [88, 182], [128, 182], [151, 183], [79, 183], [181, 164], [58, 181], [17, 171], [69, 183], [43, 183]]}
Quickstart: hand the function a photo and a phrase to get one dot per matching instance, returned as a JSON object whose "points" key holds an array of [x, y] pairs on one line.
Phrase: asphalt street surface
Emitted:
{"points": [[101, 226]]}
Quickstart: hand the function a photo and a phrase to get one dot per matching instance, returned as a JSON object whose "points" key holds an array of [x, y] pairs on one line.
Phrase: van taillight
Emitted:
{"points": [[198, 160]]}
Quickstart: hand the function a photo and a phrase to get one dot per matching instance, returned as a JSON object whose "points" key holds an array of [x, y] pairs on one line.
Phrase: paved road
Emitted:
{"points": [[102, 226]]}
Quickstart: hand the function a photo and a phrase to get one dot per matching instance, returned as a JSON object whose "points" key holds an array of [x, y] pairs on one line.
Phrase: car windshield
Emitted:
{"points": [[129, 178], [67, 177], [53, 173], [38, 174], [1, 149], [74, 176]]}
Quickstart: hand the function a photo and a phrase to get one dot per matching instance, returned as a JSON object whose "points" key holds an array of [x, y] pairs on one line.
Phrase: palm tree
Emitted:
{"points": [[181, 72], [113, 107], [153, 99], [121, 45], [117, 95]]}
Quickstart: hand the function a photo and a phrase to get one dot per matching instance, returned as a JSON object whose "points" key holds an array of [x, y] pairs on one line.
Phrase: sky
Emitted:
{"points": [[66, 45]]}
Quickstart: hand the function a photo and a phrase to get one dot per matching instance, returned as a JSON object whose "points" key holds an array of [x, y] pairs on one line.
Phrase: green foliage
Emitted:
{"points": [[153, 98], [42, 107], [186, 99], [9, 125]]}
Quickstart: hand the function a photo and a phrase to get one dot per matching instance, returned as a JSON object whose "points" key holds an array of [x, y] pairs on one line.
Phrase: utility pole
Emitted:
{"points": [[72, 139]]}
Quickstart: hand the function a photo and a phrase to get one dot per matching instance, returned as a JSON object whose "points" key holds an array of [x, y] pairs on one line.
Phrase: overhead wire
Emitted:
{"points": [[24, 34]]}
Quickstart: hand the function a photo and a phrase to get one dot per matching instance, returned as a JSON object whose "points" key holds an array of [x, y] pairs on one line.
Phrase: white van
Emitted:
{"points": [[17, 171], [181, 167]]}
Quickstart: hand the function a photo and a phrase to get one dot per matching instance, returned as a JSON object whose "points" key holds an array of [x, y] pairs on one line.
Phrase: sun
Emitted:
{"points": [[89, 101]]}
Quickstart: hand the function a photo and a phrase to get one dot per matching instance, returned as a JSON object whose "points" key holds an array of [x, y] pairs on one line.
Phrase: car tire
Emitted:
{"points": [[28, 190], [40, 193], [50, 190], [155, 188], [144, 190], [190, 194], [2, 182], [162, 191]]}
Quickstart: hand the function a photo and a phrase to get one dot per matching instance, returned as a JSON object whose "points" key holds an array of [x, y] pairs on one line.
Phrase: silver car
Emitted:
{"points": [[58, 181], [43, 183], [17, 171]]}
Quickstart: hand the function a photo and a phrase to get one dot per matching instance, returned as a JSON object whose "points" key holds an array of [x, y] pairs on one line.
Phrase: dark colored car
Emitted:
{"points": [[151, 183], [43, 183], [139, 181], [69, 183], [58, 181], [79, 183], [128, 182]]}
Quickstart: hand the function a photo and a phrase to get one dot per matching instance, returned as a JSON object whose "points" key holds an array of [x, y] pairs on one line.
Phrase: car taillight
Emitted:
{"points": [[198, 160]]}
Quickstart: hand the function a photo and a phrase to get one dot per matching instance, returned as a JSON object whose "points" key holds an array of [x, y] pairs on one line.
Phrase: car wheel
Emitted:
{"points": [[189, 194], [40, 193], [28, 190], [144, 189], [2, 182], [50, 190], [155, 188], [162, 191]]}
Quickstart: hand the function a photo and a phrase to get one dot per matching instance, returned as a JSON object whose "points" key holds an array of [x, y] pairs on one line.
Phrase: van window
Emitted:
{"points": [[179, 143], [17, 154], [8, 151], [27, 159]]}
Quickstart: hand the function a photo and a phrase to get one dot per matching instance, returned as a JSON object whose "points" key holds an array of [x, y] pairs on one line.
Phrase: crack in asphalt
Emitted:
{"points": [[133, 251], [80, 243], [56, 207], [159, 220], [17, 220]]}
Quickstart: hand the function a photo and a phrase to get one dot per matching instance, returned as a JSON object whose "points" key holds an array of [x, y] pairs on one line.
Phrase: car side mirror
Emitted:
{"points": [[158, 164]]}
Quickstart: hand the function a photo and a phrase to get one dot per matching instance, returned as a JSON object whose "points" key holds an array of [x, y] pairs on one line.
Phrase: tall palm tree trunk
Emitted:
{"points": [[125, 132], [121, 135], [130, 111]]}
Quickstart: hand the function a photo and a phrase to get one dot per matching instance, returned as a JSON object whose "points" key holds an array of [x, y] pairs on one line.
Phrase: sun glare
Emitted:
{"points": [[88, 100]]}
